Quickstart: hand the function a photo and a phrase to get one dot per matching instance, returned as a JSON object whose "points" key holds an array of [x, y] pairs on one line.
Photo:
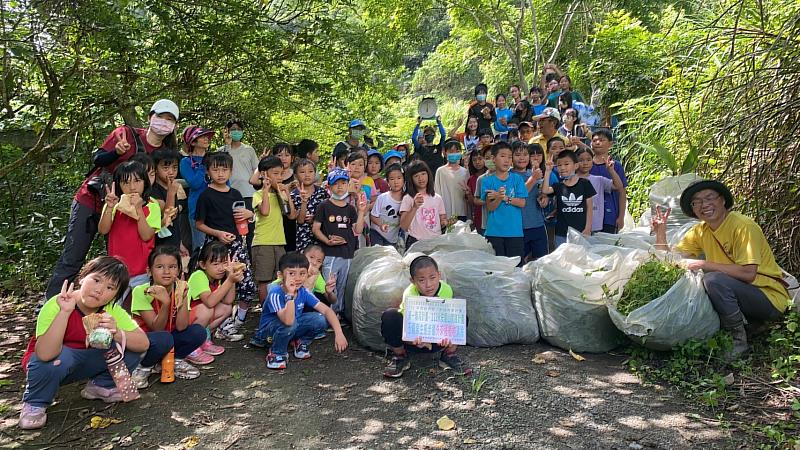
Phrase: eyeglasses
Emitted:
{"points": [[701, 201]]}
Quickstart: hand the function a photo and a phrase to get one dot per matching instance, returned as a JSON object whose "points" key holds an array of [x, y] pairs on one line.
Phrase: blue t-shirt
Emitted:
{"points": [[538, 109], [194, 172], [506, 220], [508, 114], [532, 216], [610, 199], [276, 300]]}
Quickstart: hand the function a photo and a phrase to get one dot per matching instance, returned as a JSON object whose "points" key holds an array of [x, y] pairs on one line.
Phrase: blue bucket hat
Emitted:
{"points": [[392, 154], [357, 123], [336, 175]]}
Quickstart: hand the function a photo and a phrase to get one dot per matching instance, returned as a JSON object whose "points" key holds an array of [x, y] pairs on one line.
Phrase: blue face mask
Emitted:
{"points": [[481, 97], [236, 135], [453, 158], [567, 177]]}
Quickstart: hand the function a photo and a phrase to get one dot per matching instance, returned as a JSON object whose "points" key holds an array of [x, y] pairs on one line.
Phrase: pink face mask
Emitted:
{"points": [[161, 127]]}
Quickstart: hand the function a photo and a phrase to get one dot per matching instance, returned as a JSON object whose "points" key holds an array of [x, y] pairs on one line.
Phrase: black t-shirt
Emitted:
{"points": [[475, 110], [215, 209], [571, 205], [338, 221], [523, 114], [432, 155], [160, 192]]}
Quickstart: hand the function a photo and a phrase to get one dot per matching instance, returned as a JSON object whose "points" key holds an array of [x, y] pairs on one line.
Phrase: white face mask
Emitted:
{"points": [[340, 197], [161, 127]]}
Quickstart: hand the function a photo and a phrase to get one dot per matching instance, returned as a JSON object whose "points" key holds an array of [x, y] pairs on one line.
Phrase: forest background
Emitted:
{"points": [[706, 86]]}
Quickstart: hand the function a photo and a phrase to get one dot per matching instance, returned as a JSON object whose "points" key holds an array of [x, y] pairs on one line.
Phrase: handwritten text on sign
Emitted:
{"points": [[433, 319]]}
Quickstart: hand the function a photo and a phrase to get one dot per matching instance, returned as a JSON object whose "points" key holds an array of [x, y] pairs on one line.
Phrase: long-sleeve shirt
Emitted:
{"points": [[194, 172]]}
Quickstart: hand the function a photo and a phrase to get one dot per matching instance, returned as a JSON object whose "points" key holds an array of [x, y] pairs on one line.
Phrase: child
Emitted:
{"points": [[165, 190], [374, 167], [425, 282], [269, 236], [325, 291], [337, 226], [157, 306], [131, 239], [283, 320], [573, 197], [306, 198], [212, 288], [504, 193], [422, 212], [215, 216], [478, 167], [58, 353], [385, 215], [359, 181], [615, 202], [196, 141], [451, 182], [601, 185], [394, 156], [555, 146], [533, 214]]}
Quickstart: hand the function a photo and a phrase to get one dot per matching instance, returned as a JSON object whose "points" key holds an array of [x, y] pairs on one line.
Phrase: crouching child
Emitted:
{"points": [[283, 320], [426, 281]]}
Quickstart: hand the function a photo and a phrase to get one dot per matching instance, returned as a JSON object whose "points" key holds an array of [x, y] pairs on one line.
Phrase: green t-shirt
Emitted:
{"points": [[444, 291], [269, 229], [143, 302], [319, 284], [51, 309], [198, 284]]}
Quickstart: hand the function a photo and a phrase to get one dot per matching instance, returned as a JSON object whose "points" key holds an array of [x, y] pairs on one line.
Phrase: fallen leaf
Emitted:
{"points": [[539, 359], [577, 356], [728, 379], [256, 383], [470, 441], [553, 373], [102, 422], [127, 441], [445, 423], [190, 442]]}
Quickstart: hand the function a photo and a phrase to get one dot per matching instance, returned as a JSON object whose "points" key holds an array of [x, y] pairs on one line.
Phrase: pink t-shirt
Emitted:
{"points": [[426, 223]]}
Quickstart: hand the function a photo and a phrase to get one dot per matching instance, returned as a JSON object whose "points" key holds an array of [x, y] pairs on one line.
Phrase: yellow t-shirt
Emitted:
{"points": [[269, 229], [744, 240], [542, 141]]}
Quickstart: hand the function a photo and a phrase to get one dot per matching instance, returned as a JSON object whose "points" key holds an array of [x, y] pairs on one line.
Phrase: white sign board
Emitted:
{"points": [[433, 319]]}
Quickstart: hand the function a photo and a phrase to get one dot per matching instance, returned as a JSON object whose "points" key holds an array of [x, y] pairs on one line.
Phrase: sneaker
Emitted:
{"points": [[211, 348], [95, 392], [397, 366], [140, 376], [257, 343], [157, 368], [276, 362], [321, 335], [229, 330], [301, 350], [32, 417], [186, 371], [452, 361], [199, 357]]}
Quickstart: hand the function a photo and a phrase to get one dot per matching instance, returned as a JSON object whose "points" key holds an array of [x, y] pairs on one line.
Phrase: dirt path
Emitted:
{"points": [[343, 401]]}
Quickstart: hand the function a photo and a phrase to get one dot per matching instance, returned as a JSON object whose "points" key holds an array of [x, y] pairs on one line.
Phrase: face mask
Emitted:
{"points": [[481, 97], [567, 177], [236, 135], [161, 127], [340, 197], [429, 138], [489, 165], [357, 134], [453, 158]]}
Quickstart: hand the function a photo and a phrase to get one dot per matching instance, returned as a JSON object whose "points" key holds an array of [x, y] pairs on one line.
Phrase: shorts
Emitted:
{"points": [[265, 261]]}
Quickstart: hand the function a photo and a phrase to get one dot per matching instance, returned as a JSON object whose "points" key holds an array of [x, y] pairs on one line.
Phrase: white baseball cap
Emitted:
{"points": [[165, 106]]}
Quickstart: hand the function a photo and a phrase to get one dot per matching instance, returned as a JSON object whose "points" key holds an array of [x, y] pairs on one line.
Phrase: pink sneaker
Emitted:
{"points": [[212, 349], [32, 417], [95, 392], [199, 357]]}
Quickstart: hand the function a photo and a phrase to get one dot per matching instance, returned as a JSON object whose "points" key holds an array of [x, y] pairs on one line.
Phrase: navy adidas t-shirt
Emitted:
{"points": [[571, 205]]}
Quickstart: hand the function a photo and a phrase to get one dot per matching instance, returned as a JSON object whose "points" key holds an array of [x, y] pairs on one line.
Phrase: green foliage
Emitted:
{"points": [[648, 282]]}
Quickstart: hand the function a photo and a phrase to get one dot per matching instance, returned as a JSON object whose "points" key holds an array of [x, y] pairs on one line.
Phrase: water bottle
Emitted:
{"points": [[168, 367]]}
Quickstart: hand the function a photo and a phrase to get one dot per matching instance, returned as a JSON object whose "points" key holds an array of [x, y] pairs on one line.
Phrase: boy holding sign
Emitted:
{"points": [[425, 282]]}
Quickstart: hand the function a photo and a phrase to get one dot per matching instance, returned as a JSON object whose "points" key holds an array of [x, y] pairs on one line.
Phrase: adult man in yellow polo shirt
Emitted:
{"points": [[549, 121], [741, 276]]}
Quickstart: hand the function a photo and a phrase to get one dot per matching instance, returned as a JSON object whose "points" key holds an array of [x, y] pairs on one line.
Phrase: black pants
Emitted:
{"points": [[611, 229], [81, 230], [729, 295], [508, 246]]}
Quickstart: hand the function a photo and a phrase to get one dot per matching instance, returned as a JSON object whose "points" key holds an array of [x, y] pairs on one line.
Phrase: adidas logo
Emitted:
{"points": [[571, 200]]}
